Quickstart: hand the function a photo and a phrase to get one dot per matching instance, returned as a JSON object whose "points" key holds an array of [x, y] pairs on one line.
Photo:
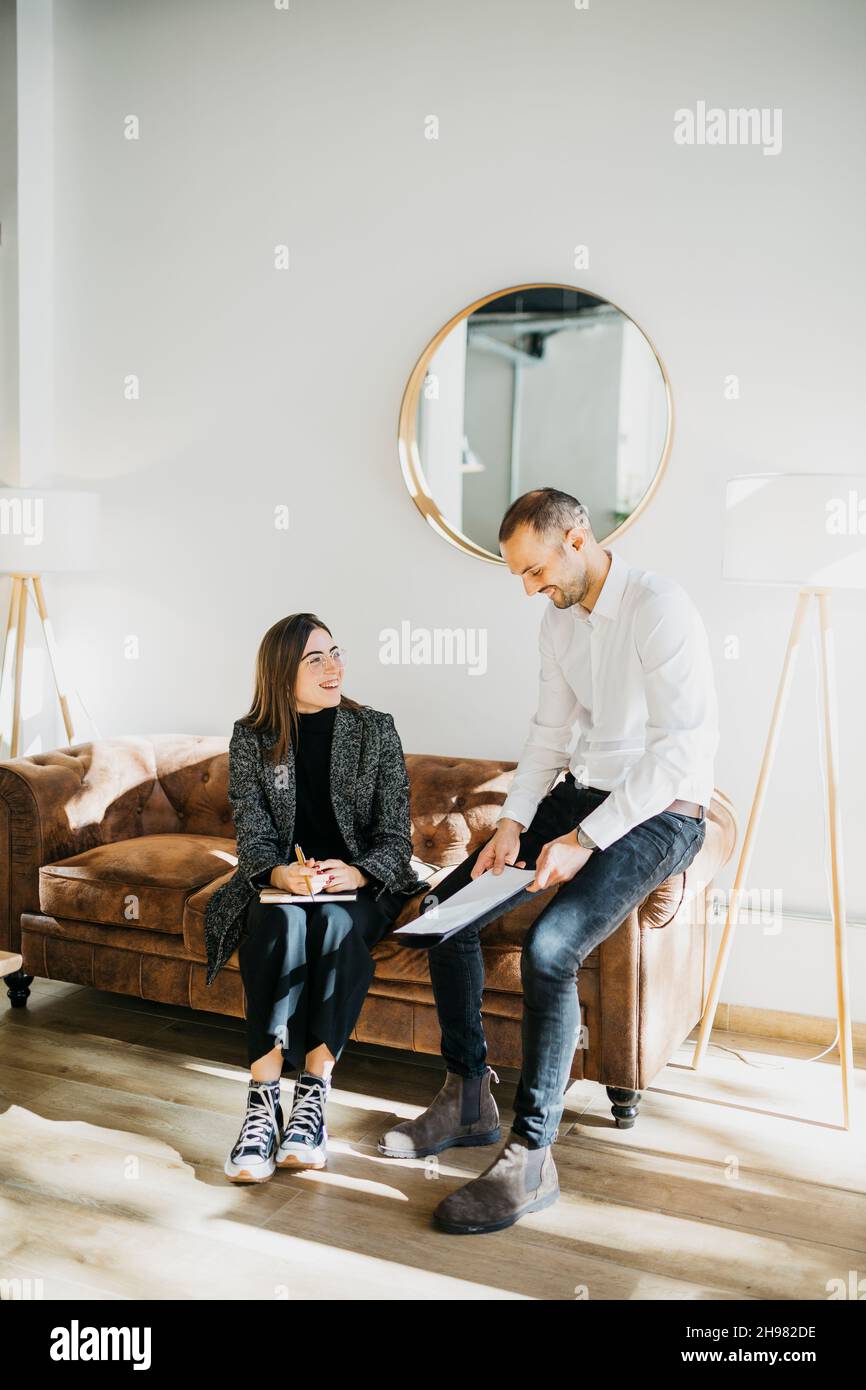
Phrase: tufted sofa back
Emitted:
{"points": [[454, 804], [96, 793], [58, 804], [115, 789]]}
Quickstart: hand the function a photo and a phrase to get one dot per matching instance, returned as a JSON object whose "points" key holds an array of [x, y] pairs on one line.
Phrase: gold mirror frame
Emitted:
{"points": [[407, 429]]}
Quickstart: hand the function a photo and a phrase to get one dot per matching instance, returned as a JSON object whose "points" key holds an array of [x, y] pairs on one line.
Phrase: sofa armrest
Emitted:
{"points": [[56, 804], [33, 792], [671, 899]]}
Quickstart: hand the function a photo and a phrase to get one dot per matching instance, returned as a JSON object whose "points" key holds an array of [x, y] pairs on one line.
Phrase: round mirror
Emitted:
{"points": [[534, 386]]}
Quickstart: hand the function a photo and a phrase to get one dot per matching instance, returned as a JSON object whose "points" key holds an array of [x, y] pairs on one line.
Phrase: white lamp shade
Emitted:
{"points": [[802, 529], [44, 530]]}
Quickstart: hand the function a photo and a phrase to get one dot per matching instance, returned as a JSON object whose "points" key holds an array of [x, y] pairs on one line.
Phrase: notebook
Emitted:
{"points": [[276, 895]]}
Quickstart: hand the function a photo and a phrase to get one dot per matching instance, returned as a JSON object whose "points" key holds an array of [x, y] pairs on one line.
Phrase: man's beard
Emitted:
{"points": [[566, 596]]}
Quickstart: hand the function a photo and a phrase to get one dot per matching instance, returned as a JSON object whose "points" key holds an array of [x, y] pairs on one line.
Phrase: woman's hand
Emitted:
{"points": [[340, 877], [298, 878]]}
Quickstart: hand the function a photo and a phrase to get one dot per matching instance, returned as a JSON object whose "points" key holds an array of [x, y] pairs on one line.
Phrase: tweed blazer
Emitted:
{"points": [[370, 797]]}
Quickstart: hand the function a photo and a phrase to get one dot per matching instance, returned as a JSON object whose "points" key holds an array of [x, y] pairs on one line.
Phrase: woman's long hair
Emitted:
{"points": [[274, 709]]}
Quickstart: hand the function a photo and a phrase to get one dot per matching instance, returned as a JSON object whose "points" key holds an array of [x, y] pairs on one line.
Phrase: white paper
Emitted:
{"points": [[468, 903]]}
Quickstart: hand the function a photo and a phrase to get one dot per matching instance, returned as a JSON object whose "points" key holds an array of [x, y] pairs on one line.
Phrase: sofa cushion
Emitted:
{"points": [[142, 883], [193, 918], [409, 964]]}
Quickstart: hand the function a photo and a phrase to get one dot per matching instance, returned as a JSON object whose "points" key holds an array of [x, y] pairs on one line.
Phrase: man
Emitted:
{"points": [[625, 665]]}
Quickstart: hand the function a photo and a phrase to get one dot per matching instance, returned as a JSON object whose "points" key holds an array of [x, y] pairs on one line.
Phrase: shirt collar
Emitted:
{"points": [[609, 599]]}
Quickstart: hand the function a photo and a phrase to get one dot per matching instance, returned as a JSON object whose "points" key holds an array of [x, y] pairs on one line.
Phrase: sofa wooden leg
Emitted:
{"points": [[18, 987], [624, 1107]]}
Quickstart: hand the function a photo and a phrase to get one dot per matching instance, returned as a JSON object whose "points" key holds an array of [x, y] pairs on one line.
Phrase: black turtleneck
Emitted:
{"points": [[316, 829]]}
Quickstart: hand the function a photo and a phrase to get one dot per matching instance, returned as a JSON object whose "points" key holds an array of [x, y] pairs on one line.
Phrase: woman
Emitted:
{"points": [[307, 767]]}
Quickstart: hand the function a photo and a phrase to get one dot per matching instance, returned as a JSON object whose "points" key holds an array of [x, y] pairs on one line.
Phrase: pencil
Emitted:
{"points": [[302, 860]]}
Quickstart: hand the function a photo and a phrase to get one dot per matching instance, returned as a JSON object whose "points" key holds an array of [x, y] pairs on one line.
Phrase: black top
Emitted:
{"points": [[316, 829]]}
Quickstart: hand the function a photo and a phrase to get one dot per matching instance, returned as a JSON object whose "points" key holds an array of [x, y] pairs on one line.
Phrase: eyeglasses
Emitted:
{"points": [[317, 661]]}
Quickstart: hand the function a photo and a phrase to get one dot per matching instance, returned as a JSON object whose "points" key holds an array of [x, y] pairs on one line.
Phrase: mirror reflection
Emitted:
{"points": [[543, 385]]}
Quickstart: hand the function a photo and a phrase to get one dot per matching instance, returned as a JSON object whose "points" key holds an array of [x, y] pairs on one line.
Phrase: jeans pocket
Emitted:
{"points": [[692, 849], [667, 836]]}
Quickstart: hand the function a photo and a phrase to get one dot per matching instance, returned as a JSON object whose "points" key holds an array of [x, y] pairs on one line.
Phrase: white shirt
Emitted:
{"points": [[633, 679]]}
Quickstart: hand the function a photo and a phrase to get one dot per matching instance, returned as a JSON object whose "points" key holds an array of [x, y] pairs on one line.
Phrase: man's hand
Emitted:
{"points": [[341, 877], [558, 862], [501, 850]]}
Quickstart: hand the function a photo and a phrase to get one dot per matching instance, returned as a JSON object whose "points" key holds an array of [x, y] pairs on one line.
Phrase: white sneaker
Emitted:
{"points": [[252, 1158], [304, 1142]]}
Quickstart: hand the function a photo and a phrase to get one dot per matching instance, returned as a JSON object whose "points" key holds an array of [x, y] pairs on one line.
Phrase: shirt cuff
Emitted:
{"points": [[605, 825], [519, 806]]}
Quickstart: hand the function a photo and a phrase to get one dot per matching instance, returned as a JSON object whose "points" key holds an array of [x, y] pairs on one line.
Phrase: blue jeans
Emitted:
{"points": [[306, 971], [582, 914]]}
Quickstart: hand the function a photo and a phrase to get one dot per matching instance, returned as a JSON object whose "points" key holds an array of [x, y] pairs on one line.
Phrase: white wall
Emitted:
{"points": [[260, 387], [8, 248]]}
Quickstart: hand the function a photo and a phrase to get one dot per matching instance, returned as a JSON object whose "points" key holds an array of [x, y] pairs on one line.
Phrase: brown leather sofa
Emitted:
{"points": [[110, 851]]}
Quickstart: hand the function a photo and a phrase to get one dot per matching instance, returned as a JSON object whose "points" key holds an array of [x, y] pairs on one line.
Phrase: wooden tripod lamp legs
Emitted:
{"points": [[834, 827], [18, 669], [50, 647], [846, 1053], [17, 621]]}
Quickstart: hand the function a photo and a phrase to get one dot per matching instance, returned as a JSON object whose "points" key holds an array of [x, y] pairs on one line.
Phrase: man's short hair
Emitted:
{"points": [[545, 509]]}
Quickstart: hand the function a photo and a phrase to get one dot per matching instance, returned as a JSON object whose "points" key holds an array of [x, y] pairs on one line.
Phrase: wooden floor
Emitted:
{"points": [[116, 1116]]}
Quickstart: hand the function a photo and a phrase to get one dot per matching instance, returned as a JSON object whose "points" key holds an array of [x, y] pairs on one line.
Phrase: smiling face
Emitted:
{"points": [[553, 565], [319, 682]]}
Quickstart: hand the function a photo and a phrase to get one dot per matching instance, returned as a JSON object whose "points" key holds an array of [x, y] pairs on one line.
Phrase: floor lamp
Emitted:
{"points": [[41, 531], [801, 530]]}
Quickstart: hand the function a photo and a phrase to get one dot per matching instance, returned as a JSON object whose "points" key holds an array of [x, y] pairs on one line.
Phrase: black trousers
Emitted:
{"points": [[306, 970]]}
